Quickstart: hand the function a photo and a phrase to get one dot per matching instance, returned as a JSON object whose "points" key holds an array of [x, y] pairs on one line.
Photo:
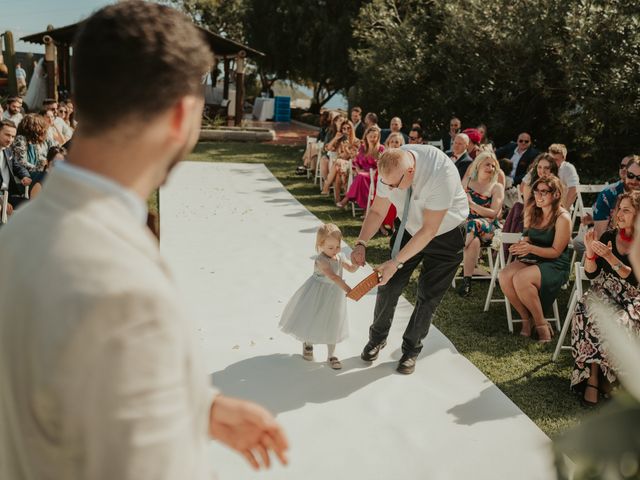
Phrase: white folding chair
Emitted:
{"points": [[436, 143], [5, 204], [575, 296], [318, 176], [508, 239], [504, 239], [311, 149], [578, 206], [488, 250]]}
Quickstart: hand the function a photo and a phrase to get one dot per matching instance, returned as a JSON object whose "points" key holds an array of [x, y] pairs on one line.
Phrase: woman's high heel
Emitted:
{"points": [[545, 333]]}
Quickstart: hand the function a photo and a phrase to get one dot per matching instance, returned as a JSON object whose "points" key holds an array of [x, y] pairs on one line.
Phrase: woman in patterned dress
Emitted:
{"points": [[485, 195], [613, 284]]}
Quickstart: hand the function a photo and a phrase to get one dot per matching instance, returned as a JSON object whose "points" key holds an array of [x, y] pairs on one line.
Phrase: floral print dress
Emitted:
{"points": [[623, 298]]}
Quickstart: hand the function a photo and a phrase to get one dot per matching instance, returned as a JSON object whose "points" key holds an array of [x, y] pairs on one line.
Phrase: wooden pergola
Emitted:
{"points": [[58, 43]]}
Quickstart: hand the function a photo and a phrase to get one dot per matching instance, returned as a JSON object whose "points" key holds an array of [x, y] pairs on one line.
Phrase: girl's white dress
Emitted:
{"points": [[317, 312]]}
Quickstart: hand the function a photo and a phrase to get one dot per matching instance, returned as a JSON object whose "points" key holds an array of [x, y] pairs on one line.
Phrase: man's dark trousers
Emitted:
{"points": [[440, 259]]}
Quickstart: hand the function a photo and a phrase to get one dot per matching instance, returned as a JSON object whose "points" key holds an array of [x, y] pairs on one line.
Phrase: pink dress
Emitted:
{"points": [[359, 190]]}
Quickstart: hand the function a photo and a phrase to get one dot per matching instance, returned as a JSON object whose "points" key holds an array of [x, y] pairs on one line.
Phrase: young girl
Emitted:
{"points": [[317, 312]]}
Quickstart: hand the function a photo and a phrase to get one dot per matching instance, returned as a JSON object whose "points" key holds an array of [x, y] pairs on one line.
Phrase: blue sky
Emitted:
{"points": [[24, 17]]}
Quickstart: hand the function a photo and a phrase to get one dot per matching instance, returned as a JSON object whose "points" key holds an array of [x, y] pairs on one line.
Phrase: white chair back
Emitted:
{"points": [[318, 177], [578, 206], [436, 143], [575, 297], [5, 203]]}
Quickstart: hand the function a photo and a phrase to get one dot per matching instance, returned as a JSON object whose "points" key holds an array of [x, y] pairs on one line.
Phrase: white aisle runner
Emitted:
{"points": [[240, 246]]}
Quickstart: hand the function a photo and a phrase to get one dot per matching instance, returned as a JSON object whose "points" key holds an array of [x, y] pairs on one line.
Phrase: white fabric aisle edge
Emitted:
{"points": [[240, 245]]}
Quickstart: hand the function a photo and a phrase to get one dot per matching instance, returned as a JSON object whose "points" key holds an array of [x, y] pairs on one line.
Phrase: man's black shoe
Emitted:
{"points": [[407, 364], [371, 351]]}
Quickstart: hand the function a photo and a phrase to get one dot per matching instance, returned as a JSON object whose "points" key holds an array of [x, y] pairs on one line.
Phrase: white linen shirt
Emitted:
{"points": [[436, 186]]}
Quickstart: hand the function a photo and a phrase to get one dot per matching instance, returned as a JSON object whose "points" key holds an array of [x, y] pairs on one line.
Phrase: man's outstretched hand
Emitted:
{"points": [[249, 429]]}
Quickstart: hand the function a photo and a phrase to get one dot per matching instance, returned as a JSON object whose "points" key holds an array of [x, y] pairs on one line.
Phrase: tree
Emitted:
{"points": [[566, 71]]}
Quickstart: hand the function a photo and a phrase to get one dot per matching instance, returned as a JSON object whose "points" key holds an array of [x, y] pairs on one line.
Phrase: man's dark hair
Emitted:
{"points": [[417, 130], [134, 60], [7, 123], [356, 109], [48, 101], [373, 118], [12, 99]]}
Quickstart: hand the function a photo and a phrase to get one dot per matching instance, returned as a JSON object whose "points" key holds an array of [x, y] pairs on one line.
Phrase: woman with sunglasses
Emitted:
{"points": [[541, 266], [614, 284]]}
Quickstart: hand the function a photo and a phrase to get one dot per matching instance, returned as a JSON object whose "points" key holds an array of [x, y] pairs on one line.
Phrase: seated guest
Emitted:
{"points": [[345, 145], [310, 155], [356, 119], [485, 195], [395, 140], [566, 173], [484, 138], [613, 284], [542, 260], [521, 153], [332, 132], [459, 153], [30, 146], [14, 110], [54, 136], [366, 159], [448, 138], [13, 176], [395, 126], [543, 166], [71, 116], [61, 125], [415, 136], [607, 198], [55, 154], [474, 141], [370, 119]]}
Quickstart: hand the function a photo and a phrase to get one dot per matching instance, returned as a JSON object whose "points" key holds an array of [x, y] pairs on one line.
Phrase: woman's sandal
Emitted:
{"points": [[307, 352], [544, 328], [335, 363]]}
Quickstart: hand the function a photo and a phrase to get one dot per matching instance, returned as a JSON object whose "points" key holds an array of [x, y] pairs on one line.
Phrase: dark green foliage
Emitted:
{"points": [[566, 71]]}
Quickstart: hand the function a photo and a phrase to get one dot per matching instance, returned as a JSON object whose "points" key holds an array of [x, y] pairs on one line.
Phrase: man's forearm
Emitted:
{"points": [[414, 246]]}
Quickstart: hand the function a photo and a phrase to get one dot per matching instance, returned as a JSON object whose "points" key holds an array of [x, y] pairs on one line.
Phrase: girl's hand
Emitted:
{"points": [[602, 250]]}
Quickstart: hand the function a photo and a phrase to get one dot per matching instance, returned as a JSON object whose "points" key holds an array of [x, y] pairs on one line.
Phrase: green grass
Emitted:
{"points": [[521, 368]]}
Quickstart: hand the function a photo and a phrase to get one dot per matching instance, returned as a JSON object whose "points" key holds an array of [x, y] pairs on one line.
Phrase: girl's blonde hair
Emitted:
{"points": [[475, 166], [326, 231], [392, 136]]}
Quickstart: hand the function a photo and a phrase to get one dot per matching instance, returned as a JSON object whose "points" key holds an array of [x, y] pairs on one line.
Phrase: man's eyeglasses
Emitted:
{"points": [[633, 176], [623, 166], [393, 186], [413, 139], [542, 193], [524, 141]]}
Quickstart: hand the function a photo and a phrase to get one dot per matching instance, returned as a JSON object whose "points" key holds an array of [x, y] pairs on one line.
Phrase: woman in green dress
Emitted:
{"points": [[542, 261]]}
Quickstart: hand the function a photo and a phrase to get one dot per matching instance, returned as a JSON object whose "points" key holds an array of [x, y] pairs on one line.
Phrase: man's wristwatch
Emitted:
{"points": [[361, 242], [398, 263], [617, 266]]}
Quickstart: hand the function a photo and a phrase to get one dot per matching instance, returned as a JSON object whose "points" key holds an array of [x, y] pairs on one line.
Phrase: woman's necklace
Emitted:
{"points": [[624, 237]]}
